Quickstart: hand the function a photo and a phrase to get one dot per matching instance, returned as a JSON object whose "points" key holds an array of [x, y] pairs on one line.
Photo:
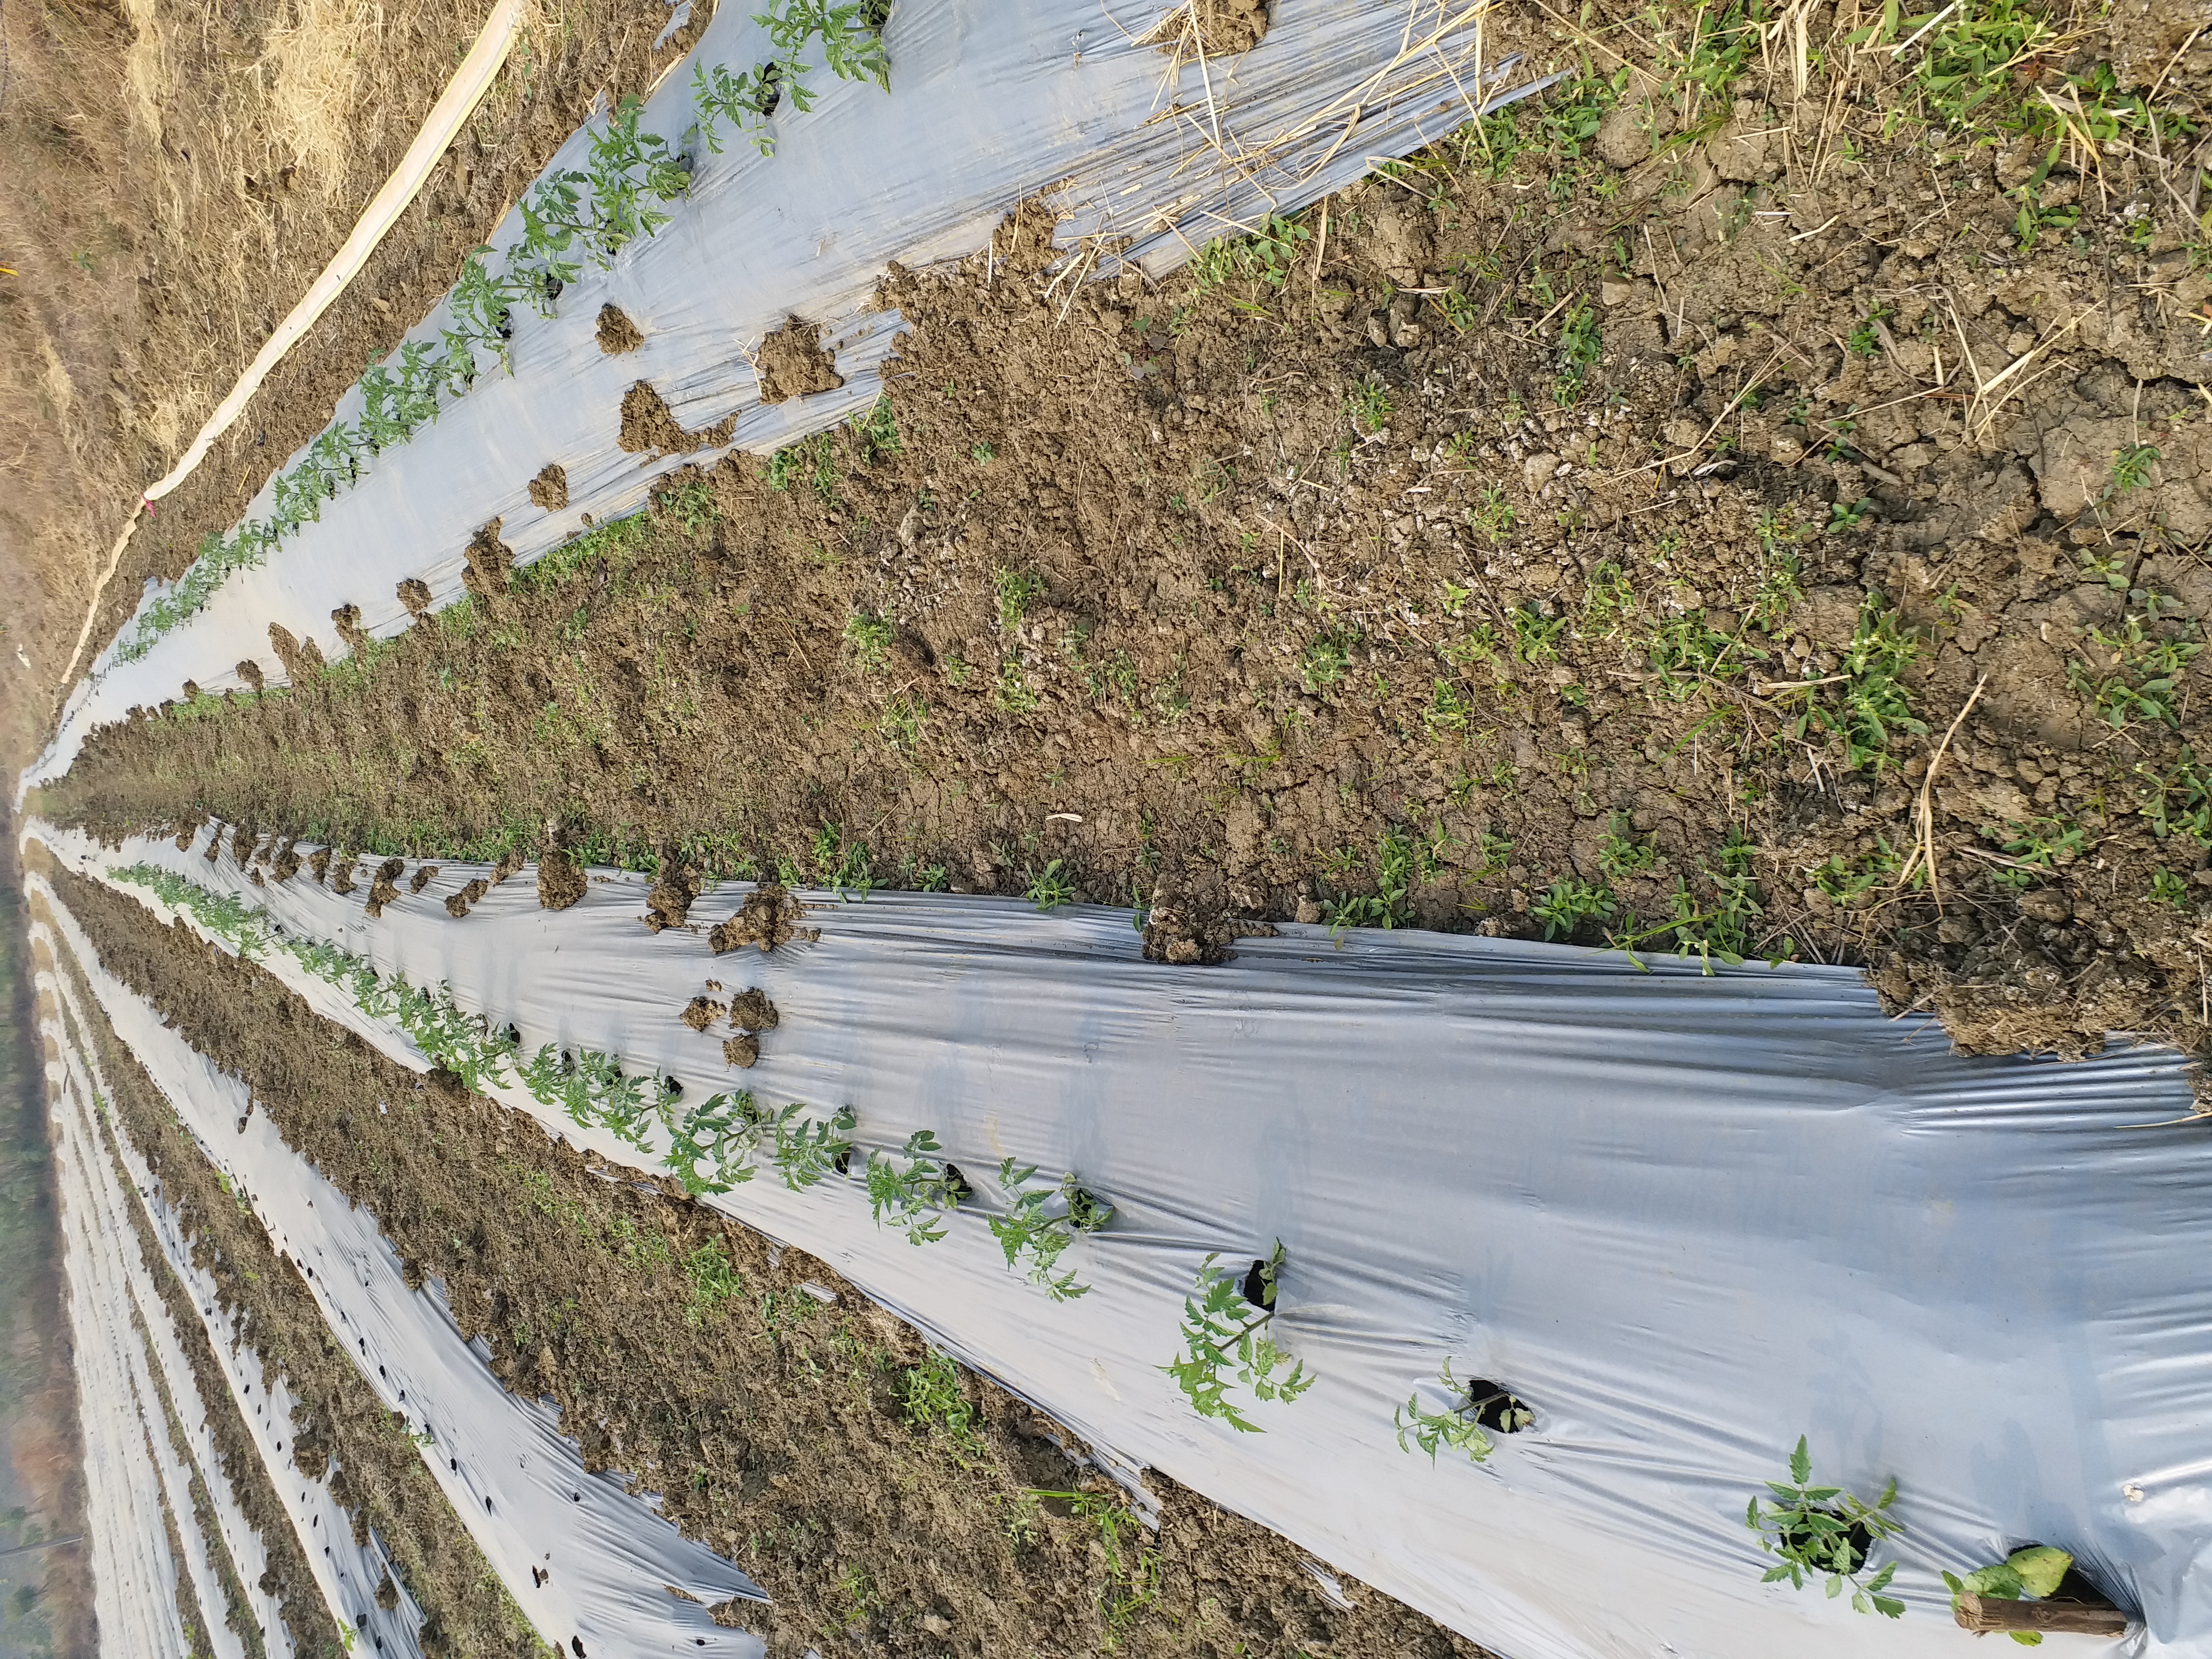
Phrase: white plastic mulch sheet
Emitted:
{"points": [[159, 1355], [133, 1581], [989, 105], [1685, 1218], [241, 1538], [586, 1560], [347, 1574]]}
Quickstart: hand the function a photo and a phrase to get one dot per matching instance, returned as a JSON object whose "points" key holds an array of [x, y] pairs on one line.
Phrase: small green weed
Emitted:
{"points": [[1016, 591], [1870, 707], [2133, 672], [2167, 888], [1369, 407], [1620, 856], [1570, 902], [870, 637], [933, 1398], [1051, 887]]}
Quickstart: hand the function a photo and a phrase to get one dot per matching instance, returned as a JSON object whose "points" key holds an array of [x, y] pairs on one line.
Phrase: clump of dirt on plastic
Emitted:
{"points": [[647, 427], [683, 1352], [550, 489], [461, 903], [384, 887], [415, 594], [1215, 29], [616, 333], [751, 1011], [250, 672], [768, 918], [794, 364], [423, 875], [303, 658], [491, 563], [561, 880], [669, 901], [701, 1012]]}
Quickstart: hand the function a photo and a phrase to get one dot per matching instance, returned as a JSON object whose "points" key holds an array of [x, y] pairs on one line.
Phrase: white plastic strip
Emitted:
{"points": [[586, 1560], [346, 1574], [1685, 1219], [454, 106], [241, 1538], [112, 1225], [988, 106]]}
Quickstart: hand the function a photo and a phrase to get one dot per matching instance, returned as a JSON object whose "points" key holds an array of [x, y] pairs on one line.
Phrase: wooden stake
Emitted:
{"points": [[1982, 1612]]}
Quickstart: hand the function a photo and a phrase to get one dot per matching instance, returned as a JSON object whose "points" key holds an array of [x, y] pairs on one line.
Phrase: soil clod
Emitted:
{"points": [[489, 560], [458, 905], [414, 594], [302, 657], [794, 364], [550, 489], [670, 901], [560, 880], [616, 333], [647, 427], [342, 879], [346, 618], [701, 1012], [250, 672], [751, 1011], [423, 875], [741, 1051], [768, 918], [385, 887]]}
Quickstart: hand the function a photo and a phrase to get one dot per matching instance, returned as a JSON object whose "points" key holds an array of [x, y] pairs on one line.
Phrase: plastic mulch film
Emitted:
{"points": [[111, 1226], [1683, 1219], [242, 1539], [347, 1574], [988, 105], [610, 1572], [134, 1579]]}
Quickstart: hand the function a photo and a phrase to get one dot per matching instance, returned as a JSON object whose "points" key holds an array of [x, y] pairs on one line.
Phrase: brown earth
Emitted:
{"points": [[616, 333], [1595, 527], [794, 364], [649, 427], [175, 180], [337, 1418], [684, 1349]]}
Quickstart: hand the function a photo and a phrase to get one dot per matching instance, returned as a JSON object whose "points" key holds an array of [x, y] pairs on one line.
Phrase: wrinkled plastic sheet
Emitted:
{"points": [[607, 1567], [241, 1538], [1685, 1219], [989, 106], [145, 1356], [134, 1583], [347, 1574]]}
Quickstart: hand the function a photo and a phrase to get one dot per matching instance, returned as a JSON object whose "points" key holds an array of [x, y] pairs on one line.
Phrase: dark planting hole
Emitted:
{"points": [[958, 1184], [1489, 1404], [672, 1086], [1257, 1291], [842, 1164], [1856, 1540]]}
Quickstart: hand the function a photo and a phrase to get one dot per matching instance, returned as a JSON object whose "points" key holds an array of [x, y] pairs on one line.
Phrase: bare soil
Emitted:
{"points": [[1597, 528], [683, 1349]]}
